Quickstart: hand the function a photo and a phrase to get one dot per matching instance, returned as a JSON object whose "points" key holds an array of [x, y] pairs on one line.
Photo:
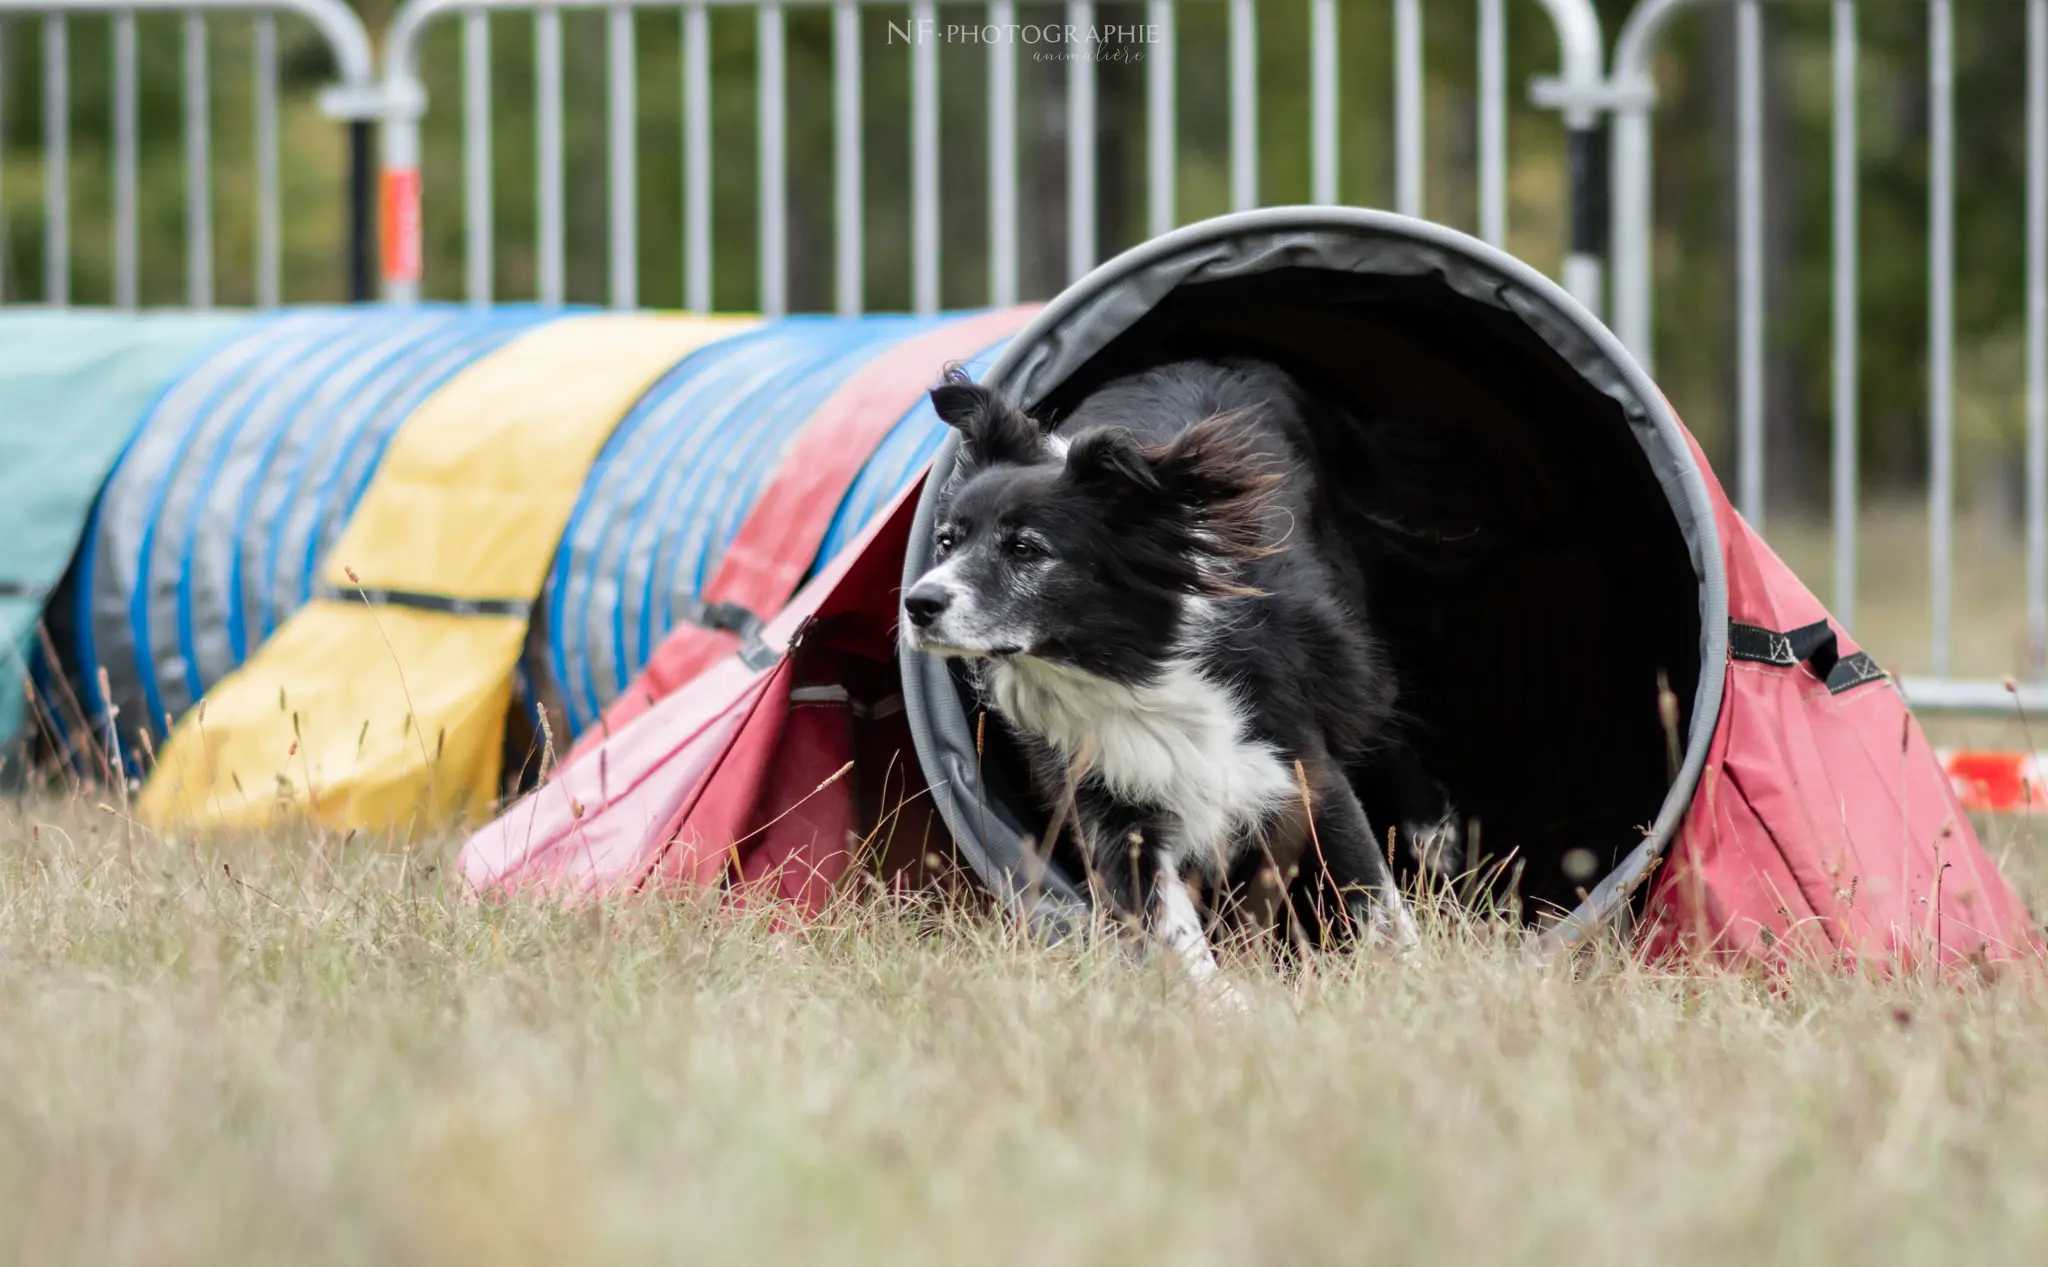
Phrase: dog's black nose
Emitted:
{"points": [[924, 604]]}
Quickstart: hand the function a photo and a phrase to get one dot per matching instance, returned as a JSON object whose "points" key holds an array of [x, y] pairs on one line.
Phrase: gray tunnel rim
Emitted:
{"points": [[939, 724]]}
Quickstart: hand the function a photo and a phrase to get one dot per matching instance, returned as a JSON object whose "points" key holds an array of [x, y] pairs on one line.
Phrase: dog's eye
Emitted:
{"points": [[944, 541], [1022, 548]]}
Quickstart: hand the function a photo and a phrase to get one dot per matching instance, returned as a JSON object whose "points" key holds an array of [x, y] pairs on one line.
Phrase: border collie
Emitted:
{"points": [[1152, 595]]}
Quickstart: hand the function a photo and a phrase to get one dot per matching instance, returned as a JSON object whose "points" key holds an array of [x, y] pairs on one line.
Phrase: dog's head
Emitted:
{"points": [[1085, 549]]}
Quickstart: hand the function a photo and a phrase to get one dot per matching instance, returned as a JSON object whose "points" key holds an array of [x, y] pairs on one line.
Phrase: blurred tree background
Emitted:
{"points": [[1694, 183]]}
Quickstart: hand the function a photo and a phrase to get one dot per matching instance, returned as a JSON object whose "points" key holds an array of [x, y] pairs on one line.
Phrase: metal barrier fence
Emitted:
{"points": [[1631, 94], [990, 22], [1586, 94], [398, 101], [354, 99]]}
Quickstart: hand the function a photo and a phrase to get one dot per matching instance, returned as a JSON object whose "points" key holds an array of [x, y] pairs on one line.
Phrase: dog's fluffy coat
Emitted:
{"points": [[1154, 596]]}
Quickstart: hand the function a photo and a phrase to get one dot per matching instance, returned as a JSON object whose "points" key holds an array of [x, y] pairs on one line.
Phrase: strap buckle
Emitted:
{"points": [[742, 623], [1816, 646]]}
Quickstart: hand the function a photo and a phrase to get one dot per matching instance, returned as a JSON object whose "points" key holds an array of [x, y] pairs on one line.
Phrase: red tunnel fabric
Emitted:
{"points": [[742, 774], [1824, 825]]}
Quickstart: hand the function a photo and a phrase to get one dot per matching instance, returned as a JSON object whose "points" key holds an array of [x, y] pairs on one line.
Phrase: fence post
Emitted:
{"points": [[1631, 96]]}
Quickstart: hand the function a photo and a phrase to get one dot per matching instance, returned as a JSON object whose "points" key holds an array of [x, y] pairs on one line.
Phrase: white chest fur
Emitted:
{"points": [[1179, 744]]}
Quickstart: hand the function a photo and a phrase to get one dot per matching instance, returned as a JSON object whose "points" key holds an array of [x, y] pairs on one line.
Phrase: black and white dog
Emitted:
{"points": [[1152, 595]]}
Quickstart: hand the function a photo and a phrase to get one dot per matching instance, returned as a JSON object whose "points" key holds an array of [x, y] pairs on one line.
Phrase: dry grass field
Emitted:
{"points": [[311, 1051]]}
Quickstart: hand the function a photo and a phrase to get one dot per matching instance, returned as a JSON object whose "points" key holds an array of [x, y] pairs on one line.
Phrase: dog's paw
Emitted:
{"points": [[1221, 996], [1386, 921], [1438, 847]]}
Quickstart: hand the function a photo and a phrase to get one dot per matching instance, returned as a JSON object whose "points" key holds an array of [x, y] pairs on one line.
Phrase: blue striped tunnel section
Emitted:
{"points": [[668, 492], [672, 488]]}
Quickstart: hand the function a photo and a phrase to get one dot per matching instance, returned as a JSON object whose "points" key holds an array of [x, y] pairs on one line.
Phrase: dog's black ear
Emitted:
{"points": [[992, 425], [1203, 495], [1218, 460], [1217, 474], [1112, 461]]}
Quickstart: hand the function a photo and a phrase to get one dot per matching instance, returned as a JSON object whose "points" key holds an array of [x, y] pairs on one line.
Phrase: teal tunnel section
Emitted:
{"points": [[673, 485], [243, 474], [73, 387]]}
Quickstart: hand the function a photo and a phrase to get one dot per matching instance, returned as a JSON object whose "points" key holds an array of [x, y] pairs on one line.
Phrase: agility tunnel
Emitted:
{"points": [[1641, 711], [1608, 670]]}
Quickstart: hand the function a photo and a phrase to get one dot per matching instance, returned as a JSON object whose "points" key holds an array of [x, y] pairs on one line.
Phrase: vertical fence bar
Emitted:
{"points": [[848, 253], [769, 108], [56, 160], [269, 211], [696, 159], [127, 287], [1749, 263], [1629, 158], [198, 167], [1940, 323], [622, 163], [2037, 337], [1493, 123], [1244, 106], [1845, 314], [1161, 154], [924, 158], [1322, 51], [1002, 157], [1408, 107], [547, 57], [476, 156], [1080, 142]]}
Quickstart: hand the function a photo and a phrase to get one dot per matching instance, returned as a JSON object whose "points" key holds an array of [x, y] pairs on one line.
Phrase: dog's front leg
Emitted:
{"points": [[1394, 786], [1357, 867], [1176, 922], [1144, 880]]}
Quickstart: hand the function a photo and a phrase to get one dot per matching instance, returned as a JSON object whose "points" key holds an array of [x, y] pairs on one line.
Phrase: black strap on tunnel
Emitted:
{"points": [[1814, 645], [742, 623], [22, 589], [445, 604]]}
